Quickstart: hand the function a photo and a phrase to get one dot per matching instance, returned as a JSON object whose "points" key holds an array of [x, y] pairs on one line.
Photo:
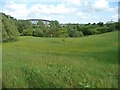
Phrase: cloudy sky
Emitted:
{"points": [[65, 11]]}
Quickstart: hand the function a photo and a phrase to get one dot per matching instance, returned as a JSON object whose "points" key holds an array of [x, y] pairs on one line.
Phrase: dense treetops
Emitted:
{"points": [[9, 28], [12, 28]]}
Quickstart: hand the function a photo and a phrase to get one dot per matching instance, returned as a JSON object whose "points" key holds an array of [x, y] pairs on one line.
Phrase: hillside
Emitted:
{"points": [[90, 62]]}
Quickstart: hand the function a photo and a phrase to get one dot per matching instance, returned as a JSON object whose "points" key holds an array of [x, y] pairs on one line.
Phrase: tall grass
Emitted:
{"points": [[86, 62]]}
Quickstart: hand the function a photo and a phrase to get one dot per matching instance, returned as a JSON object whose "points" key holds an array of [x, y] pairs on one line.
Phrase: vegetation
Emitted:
{"points": [[24, 27], [11, 28], [86, 62], [38, 61]]}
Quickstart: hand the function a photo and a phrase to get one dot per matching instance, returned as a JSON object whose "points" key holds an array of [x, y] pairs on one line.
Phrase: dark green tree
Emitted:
{"points": [[54, 28], [25, 27], [63, 32], [9, 28], [38, 32], [100, 24], [27, 32]]}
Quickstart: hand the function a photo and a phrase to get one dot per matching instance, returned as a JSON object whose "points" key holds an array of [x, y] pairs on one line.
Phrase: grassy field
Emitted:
{"points": [[86, 62]]}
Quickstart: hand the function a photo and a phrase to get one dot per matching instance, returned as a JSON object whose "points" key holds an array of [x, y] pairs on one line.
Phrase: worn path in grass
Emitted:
{"points": [[49, 62]]}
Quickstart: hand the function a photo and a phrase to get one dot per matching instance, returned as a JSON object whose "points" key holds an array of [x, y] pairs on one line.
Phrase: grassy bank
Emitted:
{"points": [[49, 62]]}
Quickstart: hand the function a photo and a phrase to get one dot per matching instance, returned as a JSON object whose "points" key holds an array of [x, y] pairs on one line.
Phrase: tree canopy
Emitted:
{"points": [[12, 28], [9, 29]]}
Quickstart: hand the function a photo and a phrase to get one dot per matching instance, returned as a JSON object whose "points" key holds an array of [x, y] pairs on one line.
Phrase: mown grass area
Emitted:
{"points": [[86, 62]]}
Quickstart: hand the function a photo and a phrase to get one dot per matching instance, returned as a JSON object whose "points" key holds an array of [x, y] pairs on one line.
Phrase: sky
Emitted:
{"points": [[65, 11]]}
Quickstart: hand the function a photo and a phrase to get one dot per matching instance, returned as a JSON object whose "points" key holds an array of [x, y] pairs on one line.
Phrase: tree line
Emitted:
{"points": [[13, 28]]}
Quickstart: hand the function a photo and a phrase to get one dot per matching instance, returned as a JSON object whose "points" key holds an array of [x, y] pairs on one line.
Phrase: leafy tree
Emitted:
{"points": [[27, 32], [86, 30], [103, 29], [9, 29], [38, 32], [54, 28], [75, 33], [117, 26], [87, 24], [46, 31], [5, 37], [63, 32], [41, 24], [94, 24], [80, 34], [24, 25], [100, 23]]}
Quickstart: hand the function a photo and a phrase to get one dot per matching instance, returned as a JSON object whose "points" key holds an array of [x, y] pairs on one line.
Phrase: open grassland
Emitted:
{"points": [[86, 62]]}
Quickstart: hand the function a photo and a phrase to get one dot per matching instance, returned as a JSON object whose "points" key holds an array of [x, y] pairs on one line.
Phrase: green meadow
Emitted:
{"points": [[85, 62]]}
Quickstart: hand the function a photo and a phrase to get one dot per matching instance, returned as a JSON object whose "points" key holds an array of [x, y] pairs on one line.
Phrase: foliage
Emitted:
{"points": [[86, 30], [54, 28], [9, 29], [27, 32], [5, 37], [117, 26], [23, 26], [63, 32], [38, 32], [100, 24]]}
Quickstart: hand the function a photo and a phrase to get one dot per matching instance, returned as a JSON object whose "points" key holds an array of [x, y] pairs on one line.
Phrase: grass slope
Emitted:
{"points": [[86, 62]]}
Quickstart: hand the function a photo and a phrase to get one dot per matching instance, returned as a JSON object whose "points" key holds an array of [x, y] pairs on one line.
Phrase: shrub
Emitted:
{"points": [[9, 29], [26, 32], [63, 32], [80, 34], [75, 33], [38, 33]]}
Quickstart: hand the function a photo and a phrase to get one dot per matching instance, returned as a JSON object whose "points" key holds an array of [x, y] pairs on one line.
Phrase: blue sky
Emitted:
{"points": [[65, 11]]}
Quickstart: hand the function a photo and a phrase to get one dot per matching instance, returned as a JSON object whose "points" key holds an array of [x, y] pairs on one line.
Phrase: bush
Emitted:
{"points": [[26, 32], [5, 37], [75, 33], [23, 25], [38, 33], [103, 29], [9, 29], [117, 26], [63, 32], [87, 31], [80, 34]]}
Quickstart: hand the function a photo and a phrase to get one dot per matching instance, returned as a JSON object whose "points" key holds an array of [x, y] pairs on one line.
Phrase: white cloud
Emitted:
{"points": [[76, 2], [51, 9], [115, 9], [100, 5], [87, 16], [16, 10], [103, 5], [82, 15], [115, 17], [21, 11], [72, 9], [95, 17], [54, 0]]}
